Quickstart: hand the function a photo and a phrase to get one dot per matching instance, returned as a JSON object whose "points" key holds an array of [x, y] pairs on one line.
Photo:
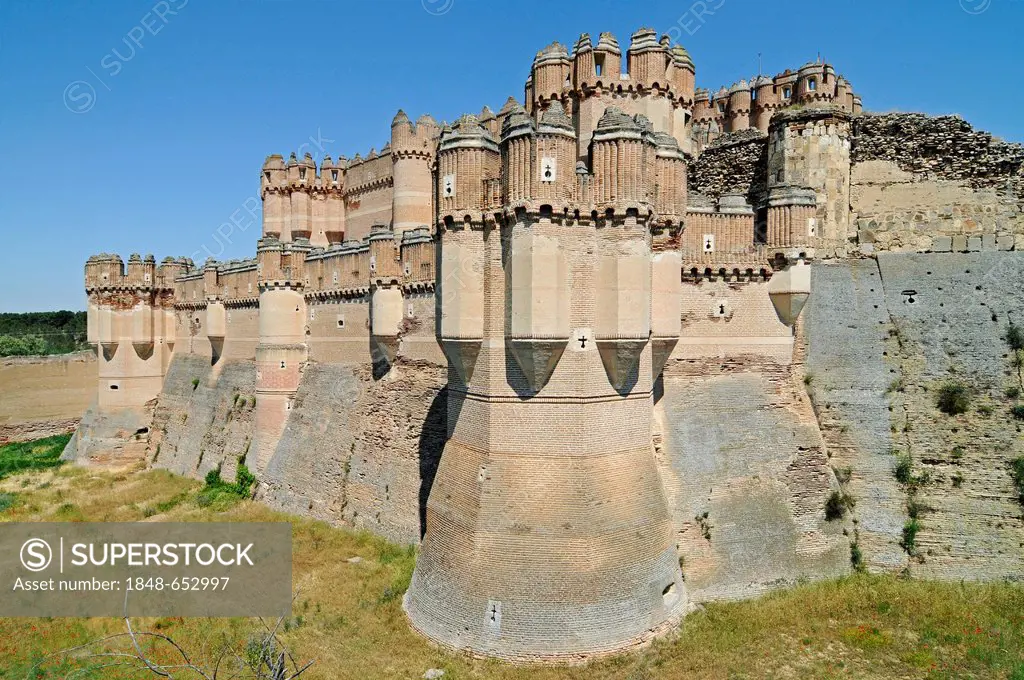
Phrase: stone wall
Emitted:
{"points": [[733, 163], [909, 324], [921, 183]]}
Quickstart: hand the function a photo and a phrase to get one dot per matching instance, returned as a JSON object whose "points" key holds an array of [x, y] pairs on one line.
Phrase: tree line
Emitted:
{"points": [[42, 333]]}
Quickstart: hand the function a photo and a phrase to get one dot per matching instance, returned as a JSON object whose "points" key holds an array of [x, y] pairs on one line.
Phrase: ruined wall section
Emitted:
{"points": [[734, 163], [923, 183]]}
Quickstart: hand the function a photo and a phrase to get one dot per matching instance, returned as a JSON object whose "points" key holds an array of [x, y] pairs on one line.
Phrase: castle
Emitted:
{"points": [[524, 340]]}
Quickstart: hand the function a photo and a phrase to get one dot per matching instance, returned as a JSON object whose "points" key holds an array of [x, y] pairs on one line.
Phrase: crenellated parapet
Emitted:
{"points": [[131, 321], [751, 104]]}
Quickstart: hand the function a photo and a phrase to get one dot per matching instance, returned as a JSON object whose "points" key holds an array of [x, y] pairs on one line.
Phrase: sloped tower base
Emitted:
{"points": [[545, 557]]}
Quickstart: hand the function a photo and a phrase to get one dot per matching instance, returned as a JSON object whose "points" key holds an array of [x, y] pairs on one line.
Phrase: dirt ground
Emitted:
{"points": [[40, 396]]}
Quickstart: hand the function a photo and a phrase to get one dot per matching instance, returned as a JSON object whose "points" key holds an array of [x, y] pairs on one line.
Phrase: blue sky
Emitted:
{"points": [[141, 126]]}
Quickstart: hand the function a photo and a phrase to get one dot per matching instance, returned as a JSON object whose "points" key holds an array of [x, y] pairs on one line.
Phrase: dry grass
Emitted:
{"points": [[348, 616]]}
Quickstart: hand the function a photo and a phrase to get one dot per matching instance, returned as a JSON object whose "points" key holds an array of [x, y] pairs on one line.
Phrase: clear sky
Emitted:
{"points": [[142, 125]]}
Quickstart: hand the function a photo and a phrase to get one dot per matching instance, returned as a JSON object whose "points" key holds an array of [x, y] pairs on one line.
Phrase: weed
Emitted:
{"points": [[903, 470], [808, 379], [195, 384], [958, 480], [957, 453], [954, 397], [1018, 411], [909, 541], [843, 475], [1012, 392], [1017, 472], [985, 410], [896, 385], [704, 524], [837, 504], [856, 557]]}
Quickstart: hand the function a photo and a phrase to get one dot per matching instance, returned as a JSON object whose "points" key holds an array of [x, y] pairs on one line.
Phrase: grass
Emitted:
{"points": [[348, 616], [35, 455]]}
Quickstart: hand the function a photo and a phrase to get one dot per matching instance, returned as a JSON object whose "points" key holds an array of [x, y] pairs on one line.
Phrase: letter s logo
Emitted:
{"points": [[36, 554]]}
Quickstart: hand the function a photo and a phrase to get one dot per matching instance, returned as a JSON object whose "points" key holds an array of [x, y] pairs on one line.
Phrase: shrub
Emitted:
{"points": [[903, 470], [808, 379], [953, 398], [958, 480], [957, 453], [7, 500], [1012, 392], [856, 557], [1018, 411], [837, 504], [1014, 337], [1017, 472], [910, 530], [195, 384], [212, 478], [843, 475]]}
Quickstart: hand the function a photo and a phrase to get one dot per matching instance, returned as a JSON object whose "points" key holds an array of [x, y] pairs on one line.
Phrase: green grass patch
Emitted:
{"points": [[40, 454]]}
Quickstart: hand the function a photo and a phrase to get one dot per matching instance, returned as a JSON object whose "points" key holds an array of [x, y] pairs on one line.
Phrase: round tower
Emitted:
{"points": [[647, 60], [583, 70], [765, 102], [281, 351], [274, 193], [555, 159], [738, 109], [550, 72], [544, 312], [411, 155], [607, 60]]}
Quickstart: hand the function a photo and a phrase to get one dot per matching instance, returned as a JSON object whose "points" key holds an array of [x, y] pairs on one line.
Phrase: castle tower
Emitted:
{"points": [[765, 103], [550, 73], [281, 352], [647, 59], [548, 533], [411, 154], [385, 294], [738, 116], [811, 148], [274, 192], [301, 180], [129, 323]]}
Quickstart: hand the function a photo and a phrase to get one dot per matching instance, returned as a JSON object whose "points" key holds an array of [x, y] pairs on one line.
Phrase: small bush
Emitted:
{"points": [[856, 557], [213, 477], [837, 504], [953, 398], [958, 480], [1014, 337], [808, 379], [1012, 392], [7, 500], [985, 410], [1018, 411], [843, 475], [957, 453], [903, 470], [910, 530], [195, 384], [1017, 472]]}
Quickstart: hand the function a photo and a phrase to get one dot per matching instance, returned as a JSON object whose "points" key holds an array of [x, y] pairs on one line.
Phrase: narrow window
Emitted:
{"points": [[334, 175], [302, 173], [282, 364], [787, 93], [812, 84], [599, 64]]}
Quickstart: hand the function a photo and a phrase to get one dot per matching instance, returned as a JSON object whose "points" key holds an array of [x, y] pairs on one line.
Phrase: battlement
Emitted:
{"points": [[751, 104], [108, 271], [533, 167], [653, 67]]}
